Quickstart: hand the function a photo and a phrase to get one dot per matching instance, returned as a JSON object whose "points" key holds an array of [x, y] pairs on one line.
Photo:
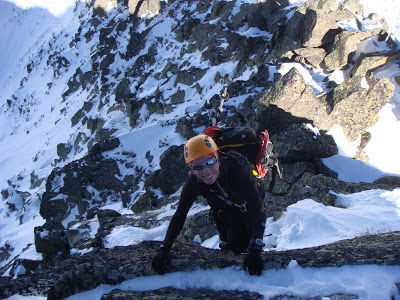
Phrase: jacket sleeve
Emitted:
{"points": [[246, 185], [186, 199]]}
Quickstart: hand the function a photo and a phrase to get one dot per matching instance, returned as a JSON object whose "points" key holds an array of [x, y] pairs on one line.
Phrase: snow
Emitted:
{"points": [[304, 224]]}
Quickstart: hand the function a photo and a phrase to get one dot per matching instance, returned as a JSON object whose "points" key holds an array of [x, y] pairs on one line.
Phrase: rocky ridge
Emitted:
{"points": [[112, 266]]}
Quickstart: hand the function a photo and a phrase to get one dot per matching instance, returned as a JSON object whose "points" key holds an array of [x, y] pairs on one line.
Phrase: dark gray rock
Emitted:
{"points": [[317, 187], [63, 150], [300, 143], [186, 294], [67, 187], [171, 162], [200, 224], [112, 266], [50, 239]]}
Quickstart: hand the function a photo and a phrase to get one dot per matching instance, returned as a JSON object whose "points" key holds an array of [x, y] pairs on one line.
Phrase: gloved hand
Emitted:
{"points": [[253, 262], [161, 259]]}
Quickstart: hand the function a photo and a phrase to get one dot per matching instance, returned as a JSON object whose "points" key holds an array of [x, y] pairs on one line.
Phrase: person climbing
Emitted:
{"points": [[235, 198]]}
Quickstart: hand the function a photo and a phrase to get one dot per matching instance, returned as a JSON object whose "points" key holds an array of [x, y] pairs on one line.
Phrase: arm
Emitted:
{"points": [[161, 258], [187, 197]]}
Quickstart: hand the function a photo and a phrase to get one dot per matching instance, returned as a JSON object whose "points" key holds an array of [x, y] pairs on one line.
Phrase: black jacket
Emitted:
{"points": [[240, 185]]}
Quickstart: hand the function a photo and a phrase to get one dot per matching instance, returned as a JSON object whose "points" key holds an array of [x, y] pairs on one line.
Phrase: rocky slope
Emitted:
{"points": [[133, 67]]}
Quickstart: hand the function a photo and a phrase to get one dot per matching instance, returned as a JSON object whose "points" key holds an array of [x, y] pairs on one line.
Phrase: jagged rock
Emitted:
{"points": [[123, 91], [320, 28], [312, 56], [101, 7], [144, 7], [67, 187], [361, 155], [178, 97], [184, 126], [50, 239], [112, 266], [356, 108], [316, 187], [186, 294], [290, 100], [200, 224], [287, 37], [255, 14], [300, 143], [95, 124], [77, 117], [368, 62], [79, 236], [171, 162], [344, 45], [185, 30], [106, 216], [393, 181], [188, 77]]}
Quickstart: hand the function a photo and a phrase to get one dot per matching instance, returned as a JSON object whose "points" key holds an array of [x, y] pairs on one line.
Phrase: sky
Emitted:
{"points": [[304, 224]]}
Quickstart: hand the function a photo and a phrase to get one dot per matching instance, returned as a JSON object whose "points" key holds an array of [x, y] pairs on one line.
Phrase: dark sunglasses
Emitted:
{"points": [[208, 163]]}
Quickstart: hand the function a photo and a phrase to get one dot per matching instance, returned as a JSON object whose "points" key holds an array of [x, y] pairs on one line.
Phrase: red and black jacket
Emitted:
{"points": [[240, 187]]}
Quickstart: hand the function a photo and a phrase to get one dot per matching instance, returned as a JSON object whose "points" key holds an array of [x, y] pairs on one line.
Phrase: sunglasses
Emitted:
{"points": [[208, 163]]}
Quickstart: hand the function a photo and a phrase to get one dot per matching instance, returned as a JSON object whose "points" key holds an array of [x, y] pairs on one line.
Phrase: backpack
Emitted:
{"points": [[256, 148]]}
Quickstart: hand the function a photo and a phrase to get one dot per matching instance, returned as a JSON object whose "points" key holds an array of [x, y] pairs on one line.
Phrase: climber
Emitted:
{"points": [[235, 199]]}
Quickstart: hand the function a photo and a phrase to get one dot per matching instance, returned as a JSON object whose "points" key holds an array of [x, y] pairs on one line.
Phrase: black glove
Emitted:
{"points": [[253, 262], [161, 259]]}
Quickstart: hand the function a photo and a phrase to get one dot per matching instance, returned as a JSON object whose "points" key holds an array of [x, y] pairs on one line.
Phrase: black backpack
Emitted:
{"points": [[256, 148]]}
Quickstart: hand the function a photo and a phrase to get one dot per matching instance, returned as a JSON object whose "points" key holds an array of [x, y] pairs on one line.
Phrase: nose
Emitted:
{"points": [[206, 169]]}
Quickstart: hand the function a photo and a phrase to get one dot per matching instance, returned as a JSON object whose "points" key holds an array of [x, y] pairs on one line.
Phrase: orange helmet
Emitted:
{"points": [[198, 146]]}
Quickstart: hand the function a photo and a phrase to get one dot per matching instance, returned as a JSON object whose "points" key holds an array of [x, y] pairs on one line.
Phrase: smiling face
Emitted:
{"points": [[208, 174]]}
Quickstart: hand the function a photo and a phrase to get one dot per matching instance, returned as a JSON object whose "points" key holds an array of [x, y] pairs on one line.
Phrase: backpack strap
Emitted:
{"points": [[224, 197], [261, 169]]}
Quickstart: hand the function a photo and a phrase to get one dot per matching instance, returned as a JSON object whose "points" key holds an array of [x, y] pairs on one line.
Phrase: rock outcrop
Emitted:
{"points": [[112, 266]]}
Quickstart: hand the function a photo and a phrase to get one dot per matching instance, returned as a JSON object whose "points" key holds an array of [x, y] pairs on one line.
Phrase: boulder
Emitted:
{"points": [[171, 162], [311, 56], [291, 100], [200, 225], [50, 239], [300, 143], [144, 7], [356, 108], [344, 45], [101, 7], [368, 62], [320, 28]]}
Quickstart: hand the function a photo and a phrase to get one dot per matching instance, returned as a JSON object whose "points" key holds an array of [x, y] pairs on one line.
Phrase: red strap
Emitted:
{"points": [[262, 171], [212, 131]]}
